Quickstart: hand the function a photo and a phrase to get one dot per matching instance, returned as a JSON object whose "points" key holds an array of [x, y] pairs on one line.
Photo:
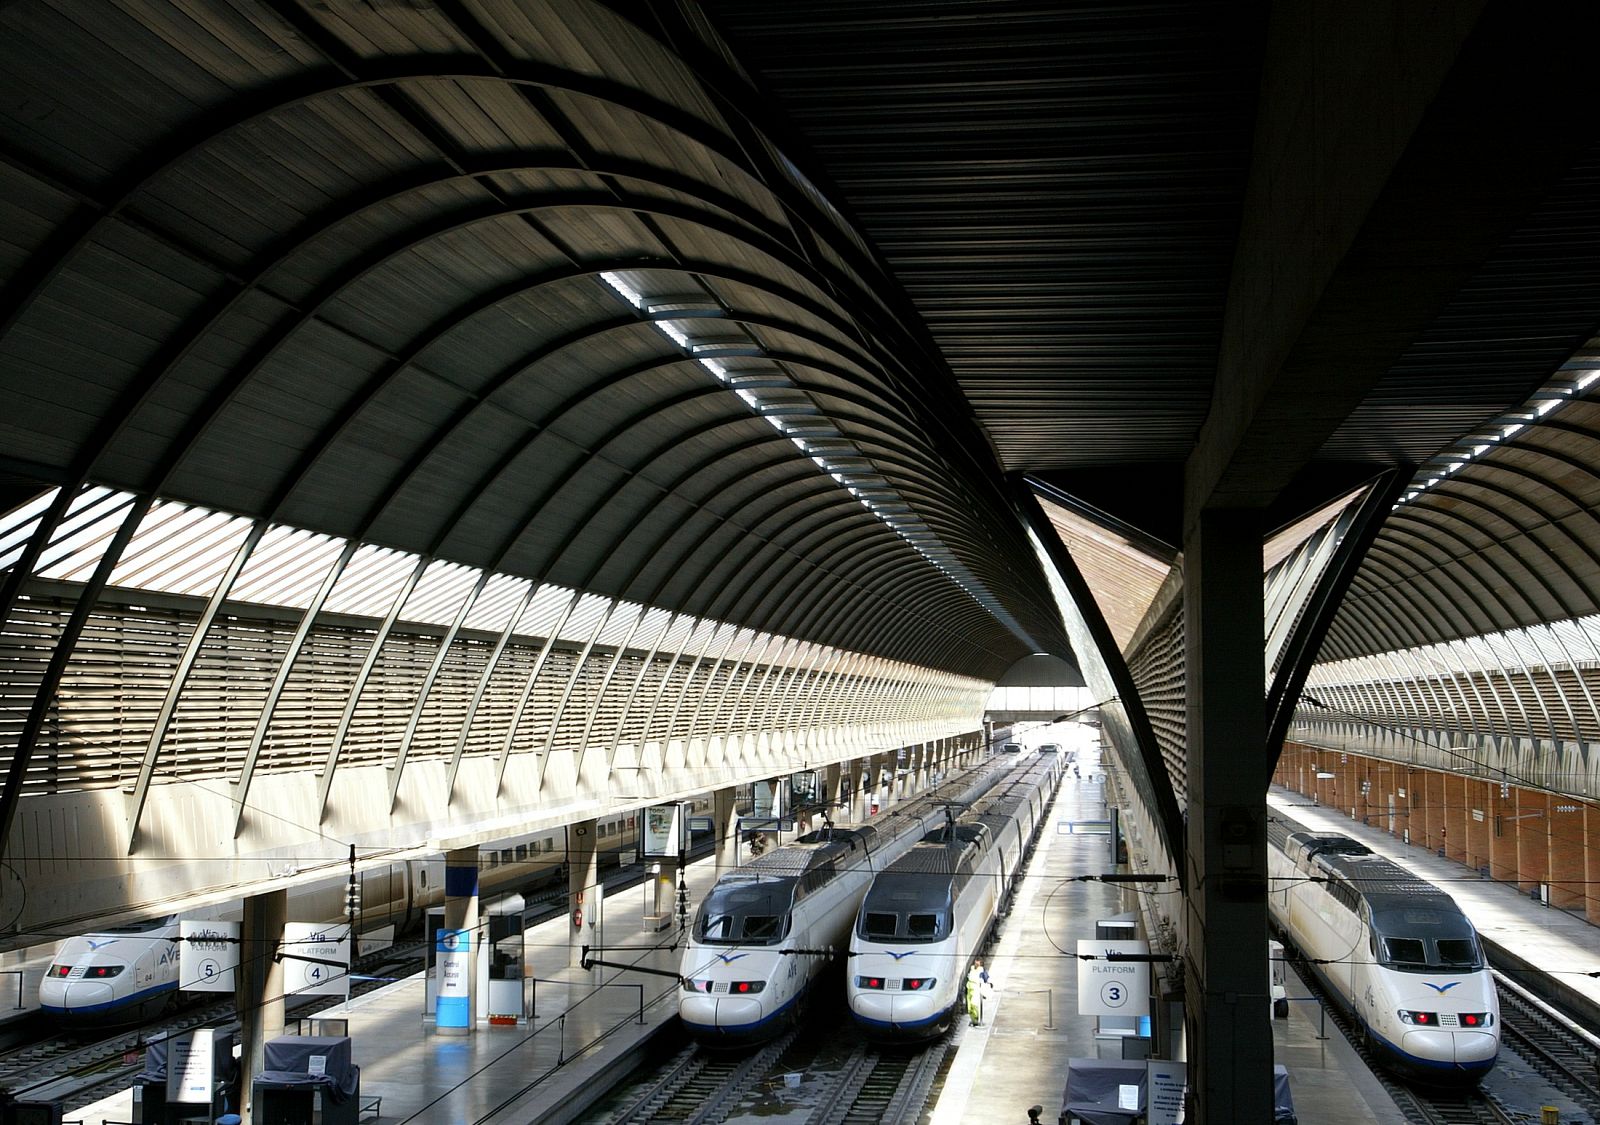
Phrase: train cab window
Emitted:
{"points": [[1404, 951], [880, 925], [760, 927], [1419, 940], [1458, 952], [745, 912], [923, 926]]}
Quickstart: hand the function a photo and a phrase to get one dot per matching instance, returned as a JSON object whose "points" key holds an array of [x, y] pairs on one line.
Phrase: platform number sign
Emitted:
{"points": [[208, 953], [316, 959], [1111, 987]]}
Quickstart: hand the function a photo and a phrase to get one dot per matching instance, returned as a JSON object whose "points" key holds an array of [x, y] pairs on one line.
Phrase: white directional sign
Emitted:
{"points": [[189, 1066], [1113, 988], [316, 959], [207, 956]]}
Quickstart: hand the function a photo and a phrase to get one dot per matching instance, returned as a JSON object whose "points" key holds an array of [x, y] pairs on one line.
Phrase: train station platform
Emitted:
{"points": [[548, 1070], [589, 1026], [1018, 1058]]}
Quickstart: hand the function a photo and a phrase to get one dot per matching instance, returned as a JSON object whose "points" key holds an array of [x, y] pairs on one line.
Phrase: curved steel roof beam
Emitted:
{"points": [[1421, 554], [1549, 483], [804, 606], [1409, 599], [772, 440], [641, 471], [1528, 532], [367, 263], [1469, 557]]}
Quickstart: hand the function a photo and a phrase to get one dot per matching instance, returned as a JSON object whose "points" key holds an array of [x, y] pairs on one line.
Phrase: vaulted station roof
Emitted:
{"points": [[746, 309]]}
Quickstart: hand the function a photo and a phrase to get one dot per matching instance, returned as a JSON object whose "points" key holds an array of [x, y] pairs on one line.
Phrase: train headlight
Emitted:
{"points": [[697, 986], [101, 972], [59, 970], [875, 983], [918, 984], [1419, 1019], [746, 987], [1477, 1019]]}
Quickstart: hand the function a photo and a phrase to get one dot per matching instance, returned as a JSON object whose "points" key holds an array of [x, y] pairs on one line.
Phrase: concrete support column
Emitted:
{"points": [[858, 776], [876, 791], [724, 827], [584, 893], [1227, 1011], [830, 793], [461, 915], [258, 986]]}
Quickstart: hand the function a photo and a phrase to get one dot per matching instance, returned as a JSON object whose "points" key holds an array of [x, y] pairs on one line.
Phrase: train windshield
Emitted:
{"points": [[746, 913], [1419, 940]]}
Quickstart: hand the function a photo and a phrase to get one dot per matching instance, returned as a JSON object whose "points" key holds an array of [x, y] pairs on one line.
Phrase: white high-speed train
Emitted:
{"points": [[126, 974], [764, 931], [1392, 949], [927, 915]]}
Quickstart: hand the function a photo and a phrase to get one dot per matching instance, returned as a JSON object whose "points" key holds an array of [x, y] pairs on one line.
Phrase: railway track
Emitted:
{"points": [[1554, 1046], [77, 1073], [700, 1087]]}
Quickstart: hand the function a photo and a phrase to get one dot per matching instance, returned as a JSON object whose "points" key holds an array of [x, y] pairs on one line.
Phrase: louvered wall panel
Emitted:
{"points": [[26, 645], [583, 698], [302, 726], [218, 708], [100, 726], [1158, 670], [116, 681], [387, 700], [445, 709], [497, 708]]}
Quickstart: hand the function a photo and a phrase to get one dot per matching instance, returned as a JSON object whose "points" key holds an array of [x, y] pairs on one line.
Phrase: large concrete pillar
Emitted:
{"points": [[830, 793], [258, 986], [461, 917], [1227, 1003], [584, 893], [724, 829]]}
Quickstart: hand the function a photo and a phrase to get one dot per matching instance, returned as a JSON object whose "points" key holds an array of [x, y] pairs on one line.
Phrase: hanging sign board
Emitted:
{"points": [[664, 829], [316, 959], [1112, 988], [207, 956]]}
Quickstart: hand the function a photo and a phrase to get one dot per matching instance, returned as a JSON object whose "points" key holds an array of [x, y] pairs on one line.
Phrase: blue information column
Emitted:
{"points": [[453, 963], [453, 1011]]}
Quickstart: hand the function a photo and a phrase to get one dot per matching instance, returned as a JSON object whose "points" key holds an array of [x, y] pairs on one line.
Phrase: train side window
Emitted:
{"points": [[549, 844], [522, 851], [881, 925]]}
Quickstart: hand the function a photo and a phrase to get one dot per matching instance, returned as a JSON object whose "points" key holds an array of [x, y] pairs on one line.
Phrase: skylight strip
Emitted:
{"points": [[1543, 403]]}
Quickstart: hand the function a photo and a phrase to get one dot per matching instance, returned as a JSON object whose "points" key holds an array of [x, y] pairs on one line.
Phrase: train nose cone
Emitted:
{"points": [[78, 997], [721, 1015], [1471, 1049], [875, 1006], [1474, 1048]]}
